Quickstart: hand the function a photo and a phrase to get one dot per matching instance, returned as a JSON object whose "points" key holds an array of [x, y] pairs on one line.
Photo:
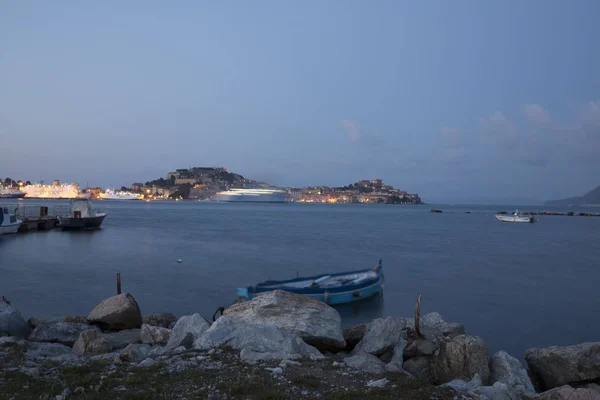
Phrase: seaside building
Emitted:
{"points": [[94, 192], [295, 194], [182, 181]]}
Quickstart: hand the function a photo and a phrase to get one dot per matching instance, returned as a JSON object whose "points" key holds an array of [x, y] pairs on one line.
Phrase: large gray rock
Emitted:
{"points": [[382, 335], [419, 367], [8, 341], [122, 339], [366, 362], [557, 366], [315, 322], [116, 313], [420, 347], [11, 321], [194, 325], [506, 369], [34, 321], [566, 392], [91, 343], [435, 321], [75, 318], [112, 358], [461, 357], [354, 335], [59, 332], [475, 389], [155, 335], [464, 386], [165, 320], [268, 340], [49, 351], [397, 358], [594, 386], [135, 352], [498, 391]]}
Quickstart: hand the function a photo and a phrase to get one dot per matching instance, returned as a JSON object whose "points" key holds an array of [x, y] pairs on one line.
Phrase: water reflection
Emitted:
{"points": [[361, 312], [89, 231]]}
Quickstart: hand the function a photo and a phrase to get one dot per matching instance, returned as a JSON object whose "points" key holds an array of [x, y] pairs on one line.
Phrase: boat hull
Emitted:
{"points": [[248, 195], [81, 223], [106, 196], [333, 298], [10, 228], [250, 199], [339, 288], [511, 218], [12, 195]]}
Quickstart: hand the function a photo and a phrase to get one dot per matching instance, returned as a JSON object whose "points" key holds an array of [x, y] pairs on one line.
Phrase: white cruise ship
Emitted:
{"points": [[54, 191], [120, 195], [253, 195]]}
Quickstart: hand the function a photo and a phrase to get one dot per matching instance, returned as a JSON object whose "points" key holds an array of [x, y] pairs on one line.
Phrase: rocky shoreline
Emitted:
{"points": [[277, 346]]}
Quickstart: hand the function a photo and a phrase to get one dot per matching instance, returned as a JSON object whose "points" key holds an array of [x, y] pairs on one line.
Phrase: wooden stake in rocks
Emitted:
{"points": [[118, 283], [418, 315]]}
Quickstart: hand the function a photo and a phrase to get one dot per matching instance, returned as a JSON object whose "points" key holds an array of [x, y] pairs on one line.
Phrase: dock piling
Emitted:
{"points": [[118, 283]]}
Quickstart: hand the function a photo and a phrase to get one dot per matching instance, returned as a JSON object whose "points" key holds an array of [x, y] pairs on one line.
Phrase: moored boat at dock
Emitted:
{"points": [[8, 222], [337, 288], [81, 216]]}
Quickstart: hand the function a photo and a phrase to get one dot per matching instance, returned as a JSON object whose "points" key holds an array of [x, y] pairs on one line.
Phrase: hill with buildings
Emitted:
{"points": [[363, 192], [197, 183], [590, 198], [201, 183]]}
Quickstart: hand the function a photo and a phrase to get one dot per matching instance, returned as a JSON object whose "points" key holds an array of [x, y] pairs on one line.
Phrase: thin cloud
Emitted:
{"points": [[537, 115], [590, 115], [584, 137], [500, 130], [451, 137], [352, 130], [454, 150]]}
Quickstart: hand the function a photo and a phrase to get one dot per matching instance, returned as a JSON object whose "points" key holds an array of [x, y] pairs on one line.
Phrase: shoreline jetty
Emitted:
{"points": [[277, 346]]}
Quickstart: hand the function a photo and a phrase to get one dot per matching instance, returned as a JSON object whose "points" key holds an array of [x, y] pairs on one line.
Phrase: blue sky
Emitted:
{"points": [[453, 100]]}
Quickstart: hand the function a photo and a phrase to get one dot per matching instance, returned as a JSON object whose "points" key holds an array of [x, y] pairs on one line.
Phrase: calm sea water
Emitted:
{"points": [[516, 285]]}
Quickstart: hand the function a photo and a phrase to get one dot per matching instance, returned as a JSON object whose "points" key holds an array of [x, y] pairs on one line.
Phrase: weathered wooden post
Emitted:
{"points": [[118, 283], [418, 315]]}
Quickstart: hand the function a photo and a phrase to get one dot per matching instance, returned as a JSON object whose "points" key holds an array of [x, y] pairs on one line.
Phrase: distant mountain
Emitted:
{"points": [[592, 197]]}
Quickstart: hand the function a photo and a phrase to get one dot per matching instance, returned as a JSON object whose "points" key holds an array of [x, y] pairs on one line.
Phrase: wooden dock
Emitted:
{"points": [[38, 216]]}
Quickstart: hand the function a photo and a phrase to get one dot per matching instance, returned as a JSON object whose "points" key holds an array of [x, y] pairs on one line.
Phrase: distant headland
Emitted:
{"points": [[590, 198], [214, 183]]}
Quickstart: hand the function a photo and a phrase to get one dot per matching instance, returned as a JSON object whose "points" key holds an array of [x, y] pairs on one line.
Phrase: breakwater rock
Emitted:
{"points": [[279, 345]]}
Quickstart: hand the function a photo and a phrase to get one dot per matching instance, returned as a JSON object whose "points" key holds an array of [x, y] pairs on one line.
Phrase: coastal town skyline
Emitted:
{"points": [[214, 183], [454, 102]]}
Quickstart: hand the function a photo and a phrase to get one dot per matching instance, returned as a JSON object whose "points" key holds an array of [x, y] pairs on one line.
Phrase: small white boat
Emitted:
{"points": [[515, 217], [8, 223], [81, 216]]}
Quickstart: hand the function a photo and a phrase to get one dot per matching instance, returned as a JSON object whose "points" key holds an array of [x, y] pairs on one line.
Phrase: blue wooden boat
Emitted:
{"points": [[338, 288]]}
